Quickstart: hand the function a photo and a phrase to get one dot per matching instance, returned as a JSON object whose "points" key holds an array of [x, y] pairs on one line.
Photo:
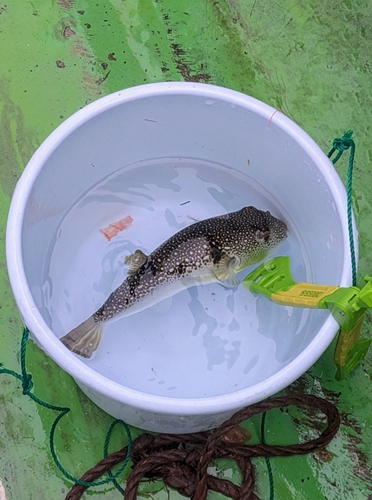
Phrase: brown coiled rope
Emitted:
{"points": [[182, 460]]}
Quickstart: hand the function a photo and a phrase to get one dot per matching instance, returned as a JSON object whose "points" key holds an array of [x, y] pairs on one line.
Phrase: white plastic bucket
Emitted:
{"points": [[195, 121]]}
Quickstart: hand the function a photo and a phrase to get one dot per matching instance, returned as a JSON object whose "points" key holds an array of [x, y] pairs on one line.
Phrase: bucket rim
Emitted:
{"points": [[72, 364]]}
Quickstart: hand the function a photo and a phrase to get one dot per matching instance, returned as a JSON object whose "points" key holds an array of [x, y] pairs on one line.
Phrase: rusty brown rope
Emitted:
{"points": [[182, 460]]}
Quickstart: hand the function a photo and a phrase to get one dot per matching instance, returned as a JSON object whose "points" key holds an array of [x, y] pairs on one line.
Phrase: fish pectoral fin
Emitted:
{"points": [[135, 261], [225, 271], [85, 338]]}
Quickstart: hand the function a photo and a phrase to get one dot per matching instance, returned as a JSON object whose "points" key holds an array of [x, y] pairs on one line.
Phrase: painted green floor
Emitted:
{"points": [[310, 59]]}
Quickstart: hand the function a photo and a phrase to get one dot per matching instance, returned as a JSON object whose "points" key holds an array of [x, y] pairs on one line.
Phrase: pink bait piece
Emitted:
{"points": [[113, 229]]}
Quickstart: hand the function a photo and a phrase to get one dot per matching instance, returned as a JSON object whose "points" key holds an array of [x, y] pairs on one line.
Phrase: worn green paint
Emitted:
{"points": [[312, 61]]}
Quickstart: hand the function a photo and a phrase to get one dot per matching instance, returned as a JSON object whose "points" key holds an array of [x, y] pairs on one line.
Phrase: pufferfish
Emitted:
{"points": [[211, 250]]}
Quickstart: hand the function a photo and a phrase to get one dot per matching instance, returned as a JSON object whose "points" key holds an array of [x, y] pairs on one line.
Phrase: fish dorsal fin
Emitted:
{"points": [[135, 261], [225, 271]]}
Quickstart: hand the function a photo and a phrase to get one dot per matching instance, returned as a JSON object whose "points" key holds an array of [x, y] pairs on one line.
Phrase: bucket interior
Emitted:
{"points": [[167, 160]]}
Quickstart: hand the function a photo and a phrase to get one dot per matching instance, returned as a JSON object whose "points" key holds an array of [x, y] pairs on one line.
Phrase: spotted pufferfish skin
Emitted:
{"points": [[212, 250]]}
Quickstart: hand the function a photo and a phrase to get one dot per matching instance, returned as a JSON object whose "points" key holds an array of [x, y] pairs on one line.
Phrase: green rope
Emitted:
{"points": [[27, 386], [105, 452], [267, 459], [340, 145]]}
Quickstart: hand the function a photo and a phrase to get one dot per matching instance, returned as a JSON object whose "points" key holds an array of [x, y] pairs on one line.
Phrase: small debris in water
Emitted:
{"points": [[60, 64], [184, 203], [111, 56], [193, 218]]}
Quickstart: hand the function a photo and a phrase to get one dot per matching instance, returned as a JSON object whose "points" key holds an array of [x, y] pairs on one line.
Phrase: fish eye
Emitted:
{"points": [[263, 235]]}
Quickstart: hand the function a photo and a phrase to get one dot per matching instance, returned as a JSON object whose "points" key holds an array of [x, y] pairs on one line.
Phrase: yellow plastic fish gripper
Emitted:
{"points": [[273, 279]]}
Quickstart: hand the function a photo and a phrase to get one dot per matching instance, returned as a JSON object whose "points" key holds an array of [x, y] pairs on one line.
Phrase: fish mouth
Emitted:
{"points": [[284, 226], [277, 224], [281, 229]]}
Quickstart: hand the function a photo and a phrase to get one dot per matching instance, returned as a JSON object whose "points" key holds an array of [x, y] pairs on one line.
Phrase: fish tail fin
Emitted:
{"points": [[85, 338]]}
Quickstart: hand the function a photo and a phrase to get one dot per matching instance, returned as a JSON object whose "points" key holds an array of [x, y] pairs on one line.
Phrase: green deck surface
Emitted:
{"points": [[312, 60]]}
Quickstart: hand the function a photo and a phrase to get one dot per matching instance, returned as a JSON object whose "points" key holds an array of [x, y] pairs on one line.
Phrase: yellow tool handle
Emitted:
{"points": [[346, 342], [303, 295]]}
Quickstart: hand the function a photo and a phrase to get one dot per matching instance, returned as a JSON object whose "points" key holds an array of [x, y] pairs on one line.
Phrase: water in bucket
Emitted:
{"points": [[204, 341]]}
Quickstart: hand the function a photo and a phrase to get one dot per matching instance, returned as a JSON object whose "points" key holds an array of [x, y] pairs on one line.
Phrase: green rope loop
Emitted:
{"points": [[10, 372], [129, 452], [343, 144], [27, 385]]}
